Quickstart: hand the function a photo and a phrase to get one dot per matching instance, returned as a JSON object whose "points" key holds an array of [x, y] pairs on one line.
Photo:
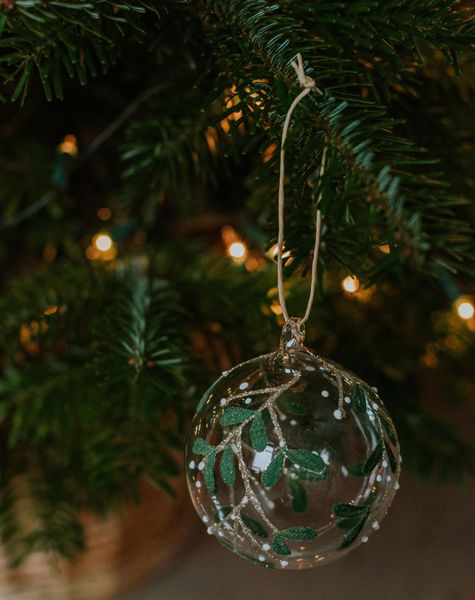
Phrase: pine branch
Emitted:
{"points": [[381, 181], [88, 405], [56, 38]]}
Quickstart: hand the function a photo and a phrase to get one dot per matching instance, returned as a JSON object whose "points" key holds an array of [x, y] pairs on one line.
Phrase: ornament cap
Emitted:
{"points": [[292, 336]]}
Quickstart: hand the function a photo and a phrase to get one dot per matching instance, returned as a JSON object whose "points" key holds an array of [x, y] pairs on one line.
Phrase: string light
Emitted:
{"points": [[102, 248], [236, 248], [350, 284], [104, 213], [103, 242], [68, 145], [465, 309], [238, 251]]}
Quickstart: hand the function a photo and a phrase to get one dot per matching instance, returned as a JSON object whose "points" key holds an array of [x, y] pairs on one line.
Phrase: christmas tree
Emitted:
{"points": [[139, 172]]}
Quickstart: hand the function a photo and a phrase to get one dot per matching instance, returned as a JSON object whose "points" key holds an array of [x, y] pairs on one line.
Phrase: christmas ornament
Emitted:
{"points": [[292, 460]]}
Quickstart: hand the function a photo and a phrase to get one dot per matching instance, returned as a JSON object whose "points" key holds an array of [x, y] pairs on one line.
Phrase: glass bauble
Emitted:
{"points": [[292, 461]]}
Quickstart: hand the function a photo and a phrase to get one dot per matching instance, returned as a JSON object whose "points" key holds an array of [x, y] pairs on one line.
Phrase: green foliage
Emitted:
{"points": [[306, 460], [77, 39], [74, 438], [258, 433], [228, 472], [98, 365], [274, 471], [235, 416], [298, 496]]}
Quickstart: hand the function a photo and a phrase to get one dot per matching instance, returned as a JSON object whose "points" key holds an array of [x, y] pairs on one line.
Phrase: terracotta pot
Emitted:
{"points": [[122, 550]]}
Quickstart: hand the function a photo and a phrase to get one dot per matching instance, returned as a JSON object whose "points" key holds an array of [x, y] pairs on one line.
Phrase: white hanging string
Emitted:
{"points": [[308, 84]]}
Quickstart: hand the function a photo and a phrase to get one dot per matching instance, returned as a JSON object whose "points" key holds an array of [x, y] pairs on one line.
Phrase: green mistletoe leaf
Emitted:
{"points": [[352, 535], [298, 496], [389, 429], [373, 459], [201, 446], [226, 467], [359, 398], [350, 510], [234, 416], [208, 472], [307, 460], [310, 475], [298, 533], [347, 523], [254, 526], [274, 471], [258, 433], [280, 547], [391, 457]]}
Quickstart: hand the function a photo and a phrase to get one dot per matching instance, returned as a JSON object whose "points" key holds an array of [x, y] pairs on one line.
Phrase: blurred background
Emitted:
{"points": [[138, 184]]}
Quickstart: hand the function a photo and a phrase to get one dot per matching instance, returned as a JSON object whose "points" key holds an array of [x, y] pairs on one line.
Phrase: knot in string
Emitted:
{"points": [[305, 80], [308, 84]]}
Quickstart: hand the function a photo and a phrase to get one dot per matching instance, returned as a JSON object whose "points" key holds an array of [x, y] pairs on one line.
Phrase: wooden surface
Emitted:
{"points": [[424, 551], [123, 550]]}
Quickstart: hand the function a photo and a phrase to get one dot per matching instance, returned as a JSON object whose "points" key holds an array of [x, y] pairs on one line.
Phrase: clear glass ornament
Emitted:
{"points": [[292, 461]]}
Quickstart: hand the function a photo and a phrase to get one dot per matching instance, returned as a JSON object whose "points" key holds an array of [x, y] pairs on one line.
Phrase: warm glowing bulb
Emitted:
{"points": [[103, 242], [465, 309], [69, 145], [350, 284], [237, 251]]}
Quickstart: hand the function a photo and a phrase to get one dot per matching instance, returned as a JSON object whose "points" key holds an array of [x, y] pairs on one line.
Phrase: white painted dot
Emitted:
{"points": [[344, 471], [388, 478], [262, 557], [347, 399], [293, 422], [205, 519], [371, 417], [245, 500], [244, 385], [221, 534], [378, 478], [191, 464], [310, 368], [266, 546], [375, 389], [385, 463], [400, 459], [364, 539], [338, 414], [248, 401], [223, 401], [283, 417], [209, 530], [325, 393], [287, 370], [397, 486], [375, 406], [284, 563], [201, 465], [375, 525], [225, 373], [198, 484], [282, 444], [271, 504], [233, 517]]}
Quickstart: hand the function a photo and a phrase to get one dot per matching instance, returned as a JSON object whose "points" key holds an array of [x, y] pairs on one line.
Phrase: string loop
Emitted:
{"points": [[308, 84]]}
